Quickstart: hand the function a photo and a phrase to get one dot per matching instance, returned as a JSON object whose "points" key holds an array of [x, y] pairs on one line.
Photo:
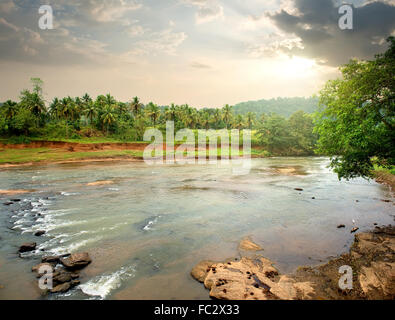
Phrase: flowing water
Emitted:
{"points": [[149, 227]]}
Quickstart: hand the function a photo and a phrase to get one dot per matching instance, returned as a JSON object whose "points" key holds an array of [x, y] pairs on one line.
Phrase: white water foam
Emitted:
{"points": [[103, 285]]}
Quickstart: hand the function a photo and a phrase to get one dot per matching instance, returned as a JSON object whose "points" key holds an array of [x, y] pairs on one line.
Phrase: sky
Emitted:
{"points": [[206, 53]]}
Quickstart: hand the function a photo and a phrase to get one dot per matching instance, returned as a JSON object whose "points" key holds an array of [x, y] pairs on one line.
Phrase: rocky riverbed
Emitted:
{"points": [[253, 277]]}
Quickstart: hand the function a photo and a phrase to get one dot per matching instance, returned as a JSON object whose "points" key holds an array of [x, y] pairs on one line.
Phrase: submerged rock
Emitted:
{"points": [[28, 246], [76, 261], [247, 245]]}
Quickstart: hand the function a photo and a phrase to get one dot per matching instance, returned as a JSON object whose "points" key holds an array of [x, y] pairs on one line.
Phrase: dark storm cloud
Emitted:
{"points": [[316, 23]]}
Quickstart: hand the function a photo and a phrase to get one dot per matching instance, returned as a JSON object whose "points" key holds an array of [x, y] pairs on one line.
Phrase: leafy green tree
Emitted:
{"points": [[227, 115], [136, 106], [275, 135], [357, 116], [302, 127], [153, 112], [250, 119], [108, 117], [10, 109]]}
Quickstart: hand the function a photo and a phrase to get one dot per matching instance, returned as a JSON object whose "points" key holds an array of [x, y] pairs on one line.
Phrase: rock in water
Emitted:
{"points": [[28, 246], [341, 226], [298, 189], [253, 279], [39, 233], [354, 230], [39, 266], [50, 259], [76, 261], [64, 287], [61, 277], [199, 272], [247, 245]]}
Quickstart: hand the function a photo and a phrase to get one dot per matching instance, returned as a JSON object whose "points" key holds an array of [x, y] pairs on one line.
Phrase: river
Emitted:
{"points": [[149, 227]]}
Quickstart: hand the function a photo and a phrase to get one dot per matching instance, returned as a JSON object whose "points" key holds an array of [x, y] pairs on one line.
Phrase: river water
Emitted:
{"points": [[149, 227]]}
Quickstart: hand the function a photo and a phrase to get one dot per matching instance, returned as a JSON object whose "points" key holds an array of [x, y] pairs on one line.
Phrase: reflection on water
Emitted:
{"points": [[147, 229]]}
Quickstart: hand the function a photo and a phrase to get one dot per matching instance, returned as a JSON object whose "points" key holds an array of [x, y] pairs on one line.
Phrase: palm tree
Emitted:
{"points": [[108, 116], [227, 115], [10, 109], [216, 118], [136, 106], [205, 120], [171, 113], [110, 100], [86, 98], [153, 112], [68, 111], [90, 112], [239, 122], [54, 108], [33, 102], [250, 119]]}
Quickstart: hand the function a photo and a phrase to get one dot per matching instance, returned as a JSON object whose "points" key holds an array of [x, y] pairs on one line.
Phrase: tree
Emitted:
{"points": [[136, 106], [302, 127], [10, 109], [90, 112], [238, 122], [227, 115], [153, 112], [108, 117], [275, 135], [356, 120], [250, 119]]}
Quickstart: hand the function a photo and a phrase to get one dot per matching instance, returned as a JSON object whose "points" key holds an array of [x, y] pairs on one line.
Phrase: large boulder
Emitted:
{"points": [[253, 279], [28, 246], [76, 261]]}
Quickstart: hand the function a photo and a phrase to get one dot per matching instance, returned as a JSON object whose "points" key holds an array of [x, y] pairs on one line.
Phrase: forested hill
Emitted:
{"points": [[281, 106]]}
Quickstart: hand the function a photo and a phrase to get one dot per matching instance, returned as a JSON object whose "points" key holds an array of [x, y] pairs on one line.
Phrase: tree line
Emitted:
{"points": [[79, 117]]}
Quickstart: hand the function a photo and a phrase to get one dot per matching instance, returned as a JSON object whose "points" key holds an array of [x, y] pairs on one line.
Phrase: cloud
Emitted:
{"points": [[4, 22], [315, 23], [207, 10], [97, 10], [7, 6], [199, 65], [158, 42]]}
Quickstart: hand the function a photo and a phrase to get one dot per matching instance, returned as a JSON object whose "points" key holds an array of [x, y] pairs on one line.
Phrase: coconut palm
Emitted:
{"points": [[90, 112], [136, 106], [227, 115], [108, 116], [10, 109], [171, 113], [153, 112], [250, 119], [54, 108], [239, 122], [33, 102]]}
